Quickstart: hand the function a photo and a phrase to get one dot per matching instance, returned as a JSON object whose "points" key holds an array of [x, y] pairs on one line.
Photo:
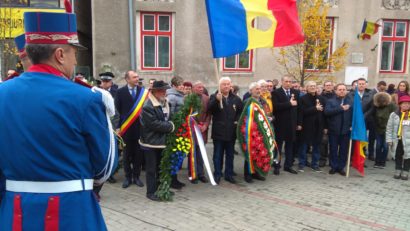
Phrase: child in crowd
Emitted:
{"points": [[398, 137]]}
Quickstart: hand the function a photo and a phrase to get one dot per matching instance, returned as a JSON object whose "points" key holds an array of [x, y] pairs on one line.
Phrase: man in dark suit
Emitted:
{"points": [[284, 101], [133, 155]]}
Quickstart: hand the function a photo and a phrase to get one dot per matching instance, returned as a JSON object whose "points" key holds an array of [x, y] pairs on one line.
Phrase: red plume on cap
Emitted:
{"points": [[68, 7]]}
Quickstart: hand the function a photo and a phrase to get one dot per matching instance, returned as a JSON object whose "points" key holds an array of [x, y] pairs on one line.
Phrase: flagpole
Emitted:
{"points": [[348, 159], [217, 79]]}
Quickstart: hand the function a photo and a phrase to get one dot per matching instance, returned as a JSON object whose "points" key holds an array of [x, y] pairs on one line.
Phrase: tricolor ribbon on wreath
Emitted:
{"points": [[182, 143], [188, 137]]}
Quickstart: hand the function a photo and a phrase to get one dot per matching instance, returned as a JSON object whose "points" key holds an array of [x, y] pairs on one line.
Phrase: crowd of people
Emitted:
{"points": [[58, 145], [315, 119]]}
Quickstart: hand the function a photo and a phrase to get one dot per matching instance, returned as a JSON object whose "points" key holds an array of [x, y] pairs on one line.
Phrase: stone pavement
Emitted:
{"points": [[307, 201]]}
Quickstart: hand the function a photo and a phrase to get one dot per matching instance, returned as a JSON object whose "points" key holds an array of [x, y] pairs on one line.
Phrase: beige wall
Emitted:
{"points": [[192, 55]]}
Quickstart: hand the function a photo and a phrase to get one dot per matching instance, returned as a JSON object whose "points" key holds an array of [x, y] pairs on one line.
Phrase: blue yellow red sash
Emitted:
{"points": [[250, 114], [135, 111], [192, 152]]}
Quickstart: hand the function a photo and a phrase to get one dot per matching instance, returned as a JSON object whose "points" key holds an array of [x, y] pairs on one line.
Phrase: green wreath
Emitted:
{"points": [[176, 146]]}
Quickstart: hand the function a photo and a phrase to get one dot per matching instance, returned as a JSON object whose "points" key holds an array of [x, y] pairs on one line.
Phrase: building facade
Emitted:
{"points": [[163, 38], [171, 37]]}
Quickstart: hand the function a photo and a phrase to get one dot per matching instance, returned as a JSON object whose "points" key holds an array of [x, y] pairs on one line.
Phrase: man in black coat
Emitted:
{"points": [[284, 101], [311, 119], [224, 121], [327, 94], [133, 155]]}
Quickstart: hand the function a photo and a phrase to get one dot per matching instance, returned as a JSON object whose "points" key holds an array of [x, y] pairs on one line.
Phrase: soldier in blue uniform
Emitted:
{"points": [[20, 42], [58, 140]]}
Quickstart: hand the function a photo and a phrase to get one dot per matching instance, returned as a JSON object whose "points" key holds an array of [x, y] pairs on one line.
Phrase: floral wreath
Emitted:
{"points": [[256, 138]]}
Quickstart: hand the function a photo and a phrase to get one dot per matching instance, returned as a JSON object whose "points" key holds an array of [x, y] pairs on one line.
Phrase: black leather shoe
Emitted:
{"points": [[276, 171], [111, 180], [291, 170], [217, 179], [180, 183], [194, 181], [332, 171], [234, 173], [322, 164], [342, 172], [258, 177], [126, 183], [248, 179], [175, 185], [230, 180], [203, 179], [153, 197], [138, 182]]}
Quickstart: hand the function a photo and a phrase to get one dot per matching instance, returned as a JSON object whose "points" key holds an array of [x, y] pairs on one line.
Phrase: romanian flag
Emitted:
{"points": [[368, 29], [359, 135], [232, 27]]}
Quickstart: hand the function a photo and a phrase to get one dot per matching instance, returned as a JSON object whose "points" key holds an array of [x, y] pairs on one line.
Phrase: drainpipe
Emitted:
{"points": [[132, 40]]}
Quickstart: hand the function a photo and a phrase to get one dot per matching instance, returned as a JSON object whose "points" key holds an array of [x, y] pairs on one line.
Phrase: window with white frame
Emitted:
{"points": [[394, 44], [238, 63], [156, 41]]}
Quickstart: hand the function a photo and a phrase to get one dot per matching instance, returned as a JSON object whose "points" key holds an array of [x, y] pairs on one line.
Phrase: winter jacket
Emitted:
{"points": [[175, 100], [381, 111], [328, 95], [154, 124], [311, 120], [224, 120], [367, 103], [391, 134], [339, 121]]}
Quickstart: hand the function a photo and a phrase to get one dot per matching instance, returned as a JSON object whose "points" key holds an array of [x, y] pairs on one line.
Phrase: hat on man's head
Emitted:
{"points": [[160, 85], [51, 28], [20, 42], [404, 98], [106, 76]]}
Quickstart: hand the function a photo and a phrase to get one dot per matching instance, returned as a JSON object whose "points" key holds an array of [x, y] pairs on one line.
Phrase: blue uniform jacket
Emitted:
{"points": [[339, 121], [53, 130]]}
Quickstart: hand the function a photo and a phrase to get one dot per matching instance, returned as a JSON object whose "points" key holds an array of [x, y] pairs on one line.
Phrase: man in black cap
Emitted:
{"points": [[107, 84], [155, 125]]}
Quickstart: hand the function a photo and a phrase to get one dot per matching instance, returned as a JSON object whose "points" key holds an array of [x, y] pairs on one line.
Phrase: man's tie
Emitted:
{"points": [[288, 93], [133, 94]]}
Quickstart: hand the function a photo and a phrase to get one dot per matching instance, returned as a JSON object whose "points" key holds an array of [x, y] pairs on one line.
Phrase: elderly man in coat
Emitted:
{"points": [[225, 108], [312, 121], [155, 125]]}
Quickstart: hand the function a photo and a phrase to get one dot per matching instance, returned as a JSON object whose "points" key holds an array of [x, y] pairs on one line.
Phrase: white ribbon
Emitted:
{"points": [[202, 148]]}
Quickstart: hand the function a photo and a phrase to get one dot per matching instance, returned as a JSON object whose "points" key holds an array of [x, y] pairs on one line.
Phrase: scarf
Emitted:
{"points": [[404, 115], [401, 93]]}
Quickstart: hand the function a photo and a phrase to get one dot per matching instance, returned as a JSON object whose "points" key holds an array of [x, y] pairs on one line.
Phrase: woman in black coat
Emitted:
{"points": [[311, 119]]}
